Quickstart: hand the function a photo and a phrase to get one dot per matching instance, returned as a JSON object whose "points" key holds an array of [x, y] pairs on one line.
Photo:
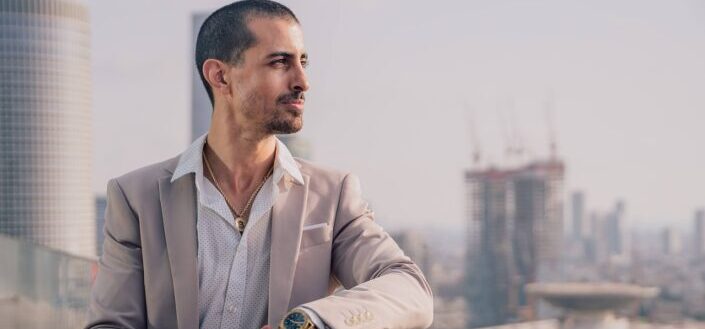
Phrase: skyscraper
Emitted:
{"points": [[578, 213], [45, 124], [614, 230], [490, 290], [671, 243], [699, 238], [515, 234]]}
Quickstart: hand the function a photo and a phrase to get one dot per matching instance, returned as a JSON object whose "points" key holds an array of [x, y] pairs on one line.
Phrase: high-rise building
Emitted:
{"points": [[491, 292], [515, 235], [699, 238], [595, 245], [539, 202], [578, 213], [201, 108], [671, 242], [614, 230], [46, 125]]}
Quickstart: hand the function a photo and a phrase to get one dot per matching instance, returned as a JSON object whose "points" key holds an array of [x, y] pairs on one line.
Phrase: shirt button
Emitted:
{"points": [[231, 308]]}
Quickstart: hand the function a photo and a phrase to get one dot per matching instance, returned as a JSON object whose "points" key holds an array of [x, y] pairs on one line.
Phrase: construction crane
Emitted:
{"points": [[474, 139], [552, 143]]}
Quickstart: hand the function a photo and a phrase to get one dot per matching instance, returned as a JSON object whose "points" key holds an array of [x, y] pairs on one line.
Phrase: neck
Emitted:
{"points": [[240, 155]]}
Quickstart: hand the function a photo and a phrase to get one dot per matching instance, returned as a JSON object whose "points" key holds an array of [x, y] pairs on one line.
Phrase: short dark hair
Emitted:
{"points": [[224, 34]]}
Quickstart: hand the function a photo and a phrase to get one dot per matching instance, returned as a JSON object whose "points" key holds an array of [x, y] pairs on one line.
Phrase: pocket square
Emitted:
{"points": [[314, 226], [315, 234]]}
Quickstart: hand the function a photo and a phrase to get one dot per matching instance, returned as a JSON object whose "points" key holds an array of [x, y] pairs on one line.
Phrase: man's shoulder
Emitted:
{"points": [[146, 178], [318, 173]]}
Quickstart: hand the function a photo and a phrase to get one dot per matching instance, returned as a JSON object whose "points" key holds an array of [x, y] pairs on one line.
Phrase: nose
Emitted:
{"points": [[299, 81]]}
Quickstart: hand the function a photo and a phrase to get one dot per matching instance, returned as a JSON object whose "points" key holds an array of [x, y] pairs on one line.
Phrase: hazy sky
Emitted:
{"points": [[393, 83]]}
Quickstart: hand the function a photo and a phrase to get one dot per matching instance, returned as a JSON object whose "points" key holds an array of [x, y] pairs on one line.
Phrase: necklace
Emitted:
{"points": [[240, 216]]}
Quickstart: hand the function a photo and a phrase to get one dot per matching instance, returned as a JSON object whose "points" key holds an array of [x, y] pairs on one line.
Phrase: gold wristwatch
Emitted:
{"points": [[297, 319]]}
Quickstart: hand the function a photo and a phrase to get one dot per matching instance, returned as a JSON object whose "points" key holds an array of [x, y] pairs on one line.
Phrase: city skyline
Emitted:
{"points": [[614, 72], [490, 99]]}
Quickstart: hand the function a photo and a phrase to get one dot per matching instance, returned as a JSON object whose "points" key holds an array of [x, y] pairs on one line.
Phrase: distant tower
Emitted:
{"points": [[671, 242], [491, 293], [578, 213], [201, 108], [515, 236], [614, 230], [699, 238], [595, 245], [46, 125]]}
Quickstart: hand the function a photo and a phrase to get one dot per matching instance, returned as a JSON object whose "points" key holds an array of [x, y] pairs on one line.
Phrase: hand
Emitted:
{"points": [[267, 327]]}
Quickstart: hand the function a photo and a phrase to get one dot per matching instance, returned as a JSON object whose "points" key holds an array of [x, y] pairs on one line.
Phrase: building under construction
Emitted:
{"points": [[515, 234]]}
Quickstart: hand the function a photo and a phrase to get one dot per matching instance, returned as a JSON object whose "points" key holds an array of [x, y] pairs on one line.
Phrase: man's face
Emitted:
{"points": [[269, 83]]}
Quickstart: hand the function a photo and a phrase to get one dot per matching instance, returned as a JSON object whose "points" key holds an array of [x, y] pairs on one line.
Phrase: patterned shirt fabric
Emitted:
{"points": [[233, 269]]}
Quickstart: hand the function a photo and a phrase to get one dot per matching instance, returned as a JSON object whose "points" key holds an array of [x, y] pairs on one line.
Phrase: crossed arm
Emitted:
{"points": [[383, 287]]}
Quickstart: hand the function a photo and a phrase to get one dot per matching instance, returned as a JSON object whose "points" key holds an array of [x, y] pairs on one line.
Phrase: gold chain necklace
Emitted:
{"points": [[240, 216]]}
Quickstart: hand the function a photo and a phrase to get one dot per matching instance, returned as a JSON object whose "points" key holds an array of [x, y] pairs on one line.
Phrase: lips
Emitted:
{"points": [[297, 105], [295, 102]]}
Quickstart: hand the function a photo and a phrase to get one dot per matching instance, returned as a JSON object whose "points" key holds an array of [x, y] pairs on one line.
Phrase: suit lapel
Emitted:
{"points": [[287, 221], [178, 201]]}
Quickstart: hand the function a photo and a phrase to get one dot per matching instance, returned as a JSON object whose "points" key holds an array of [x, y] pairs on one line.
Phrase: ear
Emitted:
{"points": [[214, 71]]}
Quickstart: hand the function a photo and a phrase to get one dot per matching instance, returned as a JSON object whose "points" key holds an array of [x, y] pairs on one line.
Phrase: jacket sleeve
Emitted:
{"points": [[383, 287], [117, 297]]}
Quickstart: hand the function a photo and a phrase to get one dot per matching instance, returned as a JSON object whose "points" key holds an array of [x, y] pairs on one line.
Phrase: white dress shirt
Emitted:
{"points": [[233, 269]]}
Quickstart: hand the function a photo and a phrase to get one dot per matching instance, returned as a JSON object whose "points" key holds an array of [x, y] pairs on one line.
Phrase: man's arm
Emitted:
{"points": [[117, 298], [384, 288]]}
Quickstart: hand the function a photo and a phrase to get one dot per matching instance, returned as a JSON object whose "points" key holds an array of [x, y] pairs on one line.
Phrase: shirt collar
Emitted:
{"points": [[190, 162]]}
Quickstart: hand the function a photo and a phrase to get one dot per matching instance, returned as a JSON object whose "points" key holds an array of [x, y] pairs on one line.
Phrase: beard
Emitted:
{"points": [[284, 122], [274, 119]]}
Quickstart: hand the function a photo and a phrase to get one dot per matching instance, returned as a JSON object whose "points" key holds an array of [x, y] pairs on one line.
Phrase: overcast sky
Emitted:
{"points": [[393, 83]]}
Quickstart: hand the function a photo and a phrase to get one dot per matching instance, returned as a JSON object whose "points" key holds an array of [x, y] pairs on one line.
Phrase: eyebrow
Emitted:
{"points": [[285, 55]]}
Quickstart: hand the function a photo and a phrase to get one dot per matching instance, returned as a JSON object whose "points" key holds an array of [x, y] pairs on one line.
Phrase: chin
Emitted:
{"points": [[285, 126]]}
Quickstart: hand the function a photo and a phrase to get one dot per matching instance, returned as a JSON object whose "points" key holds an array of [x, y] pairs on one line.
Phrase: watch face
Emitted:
{"points": [[294, 320]]}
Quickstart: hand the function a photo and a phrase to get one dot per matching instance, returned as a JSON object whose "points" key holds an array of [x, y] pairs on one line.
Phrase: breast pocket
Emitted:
{"points": [[315, 234]]}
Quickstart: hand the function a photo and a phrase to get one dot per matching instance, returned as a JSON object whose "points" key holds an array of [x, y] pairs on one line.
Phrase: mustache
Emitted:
{"points": [[297, 95]]}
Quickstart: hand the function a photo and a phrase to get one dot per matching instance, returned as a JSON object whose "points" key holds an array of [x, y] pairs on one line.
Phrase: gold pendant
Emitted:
{"points": [[240, 223]]}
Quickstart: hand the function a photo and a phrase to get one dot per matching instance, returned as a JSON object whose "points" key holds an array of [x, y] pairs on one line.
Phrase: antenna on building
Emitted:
{"points": [[474, 139], [514, 147], [550, 125], [517, 137], [505, 130]]}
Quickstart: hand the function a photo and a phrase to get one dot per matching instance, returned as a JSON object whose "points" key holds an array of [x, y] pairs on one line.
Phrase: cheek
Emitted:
{"points": [[273, 85], [249, 94], [262, 90]]}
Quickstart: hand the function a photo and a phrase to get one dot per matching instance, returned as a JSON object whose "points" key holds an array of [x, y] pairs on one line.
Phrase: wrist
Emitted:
{"points": [[297, 318]]}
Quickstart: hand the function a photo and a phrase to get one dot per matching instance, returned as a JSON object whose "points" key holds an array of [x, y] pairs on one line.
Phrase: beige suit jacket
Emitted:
{"points": [[147, 274]]}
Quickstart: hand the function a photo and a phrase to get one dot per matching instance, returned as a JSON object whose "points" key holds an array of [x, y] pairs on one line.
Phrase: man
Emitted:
{"points": [[235, 232]]}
